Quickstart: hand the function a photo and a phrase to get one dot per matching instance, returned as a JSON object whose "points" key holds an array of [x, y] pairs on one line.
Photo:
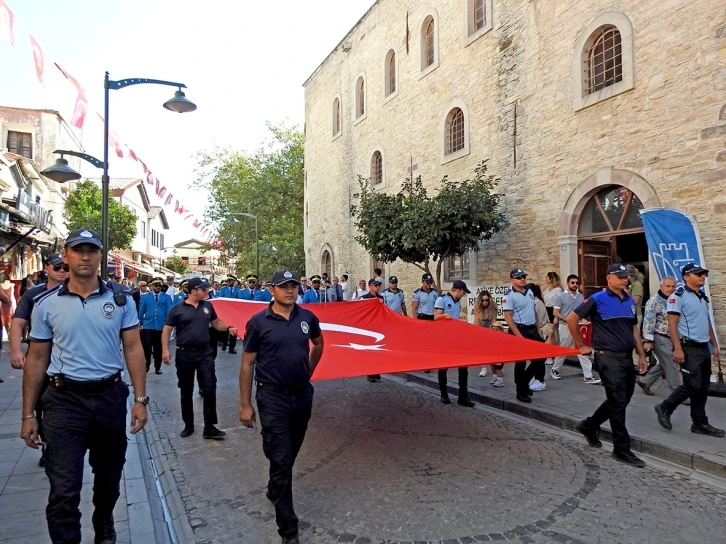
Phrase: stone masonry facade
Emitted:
{"points": [[661, 132]]}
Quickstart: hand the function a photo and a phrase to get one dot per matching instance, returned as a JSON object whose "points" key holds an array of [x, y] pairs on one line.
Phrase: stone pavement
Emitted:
{"points": [[568, 401], [386, 463], [24, 485]]}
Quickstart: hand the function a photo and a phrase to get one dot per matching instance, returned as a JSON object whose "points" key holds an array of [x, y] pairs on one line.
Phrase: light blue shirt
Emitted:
{"points": [[181, 296], [263, 295], [449, 306], [521, 305], [152, 314], [229, 292], [692, 309], [247, 293], [394, 301], [85, 334], [426, 301]]}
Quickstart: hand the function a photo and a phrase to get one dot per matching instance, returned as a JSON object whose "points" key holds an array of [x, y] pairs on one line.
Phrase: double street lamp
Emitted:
{"points": [[61, 172], [257, 234]]}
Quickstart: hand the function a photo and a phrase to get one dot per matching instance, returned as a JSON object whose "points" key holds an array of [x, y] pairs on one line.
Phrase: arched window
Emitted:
{"points": [[326, 263], [377, 168], [360, 97], [390, 73], [336, 117], [454, 131], [429, 43], [604, 59]]}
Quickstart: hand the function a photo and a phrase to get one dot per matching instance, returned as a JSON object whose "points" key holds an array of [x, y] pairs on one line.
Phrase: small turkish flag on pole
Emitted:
{"points": [[7, 21], [39, 59], [79, 112]]}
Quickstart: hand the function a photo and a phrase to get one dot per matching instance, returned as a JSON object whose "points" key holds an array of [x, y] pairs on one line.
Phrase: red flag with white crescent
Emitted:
{"points": [[366, 337], [38, 58], [7, 22], [79, 112]]}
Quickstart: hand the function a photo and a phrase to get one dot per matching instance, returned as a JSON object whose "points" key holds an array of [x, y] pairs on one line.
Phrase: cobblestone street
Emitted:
{"points": [[388, 463]]}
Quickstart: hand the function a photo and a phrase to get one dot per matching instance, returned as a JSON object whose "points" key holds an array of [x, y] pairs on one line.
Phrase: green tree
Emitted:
{"points": [[267, 183], [83, 210], [176, 264], [418, 229]]}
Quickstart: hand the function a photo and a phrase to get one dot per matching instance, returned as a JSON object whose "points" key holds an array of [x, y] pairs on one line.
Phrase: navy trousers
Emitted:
{"points": [[696, 371], [200, 363]]}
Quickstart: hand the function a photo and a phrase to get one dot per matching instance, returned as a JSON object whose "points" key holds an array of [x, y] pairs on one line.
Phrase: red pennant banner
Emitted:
{"points": [[366, 337], [79, 112], [7, 22], [38, 58]]}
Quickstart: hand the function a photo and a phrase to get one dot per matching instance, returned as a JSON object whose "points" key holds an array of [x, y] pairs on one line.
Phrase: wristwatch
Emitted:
{"points": [[142, 400]]}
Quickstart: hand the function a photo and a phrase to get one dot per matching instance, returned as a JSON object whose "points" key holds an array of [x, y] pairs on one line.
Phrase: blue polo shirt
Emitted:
{"points": [[85, 332], [692, 309], [521, 304], [152, 314], [282, 345], [229, 292], [449, 306], [426, 301], [394, 301], [612, 319]]}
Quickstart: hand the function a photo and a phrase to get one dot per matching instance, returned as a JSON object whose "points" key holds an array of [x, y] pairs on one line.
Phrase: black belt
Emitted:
{"points": [[621, 354], [520, 326], [289, 390], [60, 381], [424, 316], [668, 336], [688, 342], [194, 349]]}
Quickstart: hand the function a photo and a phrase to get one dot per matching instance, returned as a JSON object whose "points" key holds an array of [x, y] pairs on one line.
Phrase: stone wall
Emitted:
{"points": [[668, 133]]}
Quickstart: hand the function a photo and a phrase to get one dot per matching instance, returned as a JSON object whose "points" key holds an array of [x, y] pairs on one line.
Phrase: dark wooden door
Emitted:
{"points": [[595, 257]]}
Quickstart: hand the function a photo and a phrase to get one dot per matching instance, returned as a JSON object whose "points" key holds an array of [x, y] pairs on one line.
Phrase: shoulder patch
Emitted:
{"points": [[679, 292]]}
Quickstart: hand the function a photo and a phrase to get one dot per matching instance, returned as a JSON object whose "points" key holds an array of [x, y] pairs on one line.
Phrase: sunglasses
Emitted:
{"points": [[574, 283], [485, 300], [700, 274], [251, 281], [57, 267], [519, 278]]}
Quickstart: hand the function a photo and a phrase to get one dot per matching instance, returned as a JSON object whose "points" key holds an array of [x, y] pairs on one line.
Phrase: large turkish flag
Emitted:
{"points": [[365, 337]]}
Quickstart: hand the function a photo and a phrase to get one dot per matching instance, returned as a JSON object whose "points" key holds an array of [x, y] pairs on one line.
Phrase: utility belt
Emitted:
{"points": [[688, 342], [426, 317], [289, 390], [620, 354], [60, 381], [194, 348]]}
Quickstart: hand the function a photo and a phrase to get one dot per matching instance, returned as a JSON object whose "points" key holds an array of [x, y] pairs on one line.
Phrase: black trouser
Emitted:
{"points": [[618, 377], [463, 382], [73, 423], [695, 383], [215, 337], [523, 374], [201, 362], [284, 421], [229, 339], [39, 410], [151, 340]]}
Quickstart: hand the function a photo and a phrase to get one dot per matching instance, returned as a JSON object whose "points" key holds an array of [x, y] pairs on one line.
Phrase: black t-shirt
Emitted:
{"points": [[24, 309], [282, 346], [369, 295], [192, 324]]}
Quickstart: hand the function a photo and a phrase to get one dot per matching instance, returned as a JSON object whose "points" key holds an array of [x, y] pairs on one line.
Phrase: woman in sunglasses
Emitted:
{"points": [[485, 315]]}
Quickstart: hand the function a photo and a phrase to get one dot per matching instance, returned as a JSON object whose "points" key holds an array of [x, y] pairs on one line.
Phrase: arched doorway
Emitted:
{"points": [[610, 230], [326, 264]]}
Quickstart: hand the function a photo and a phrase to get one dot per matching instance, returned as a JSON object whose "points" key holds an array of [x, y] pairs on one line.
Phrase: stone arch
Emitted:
{"points": [[327, 260]]}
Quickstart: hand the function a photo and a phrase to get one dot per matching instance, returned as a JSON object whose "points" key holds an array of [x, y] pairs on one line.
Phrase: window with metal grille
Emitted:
{"points": [[457, 267], [429, 43], [604, 65], [361, 98], [20, 143], [336, 116], [455, 131], [392, 73], [377, 168], [479, 14]]}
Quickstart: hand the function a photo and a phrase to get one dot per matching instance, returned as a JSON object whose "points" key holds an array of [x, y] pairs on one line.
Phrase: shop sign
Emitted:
{"points": [[32, 212]]}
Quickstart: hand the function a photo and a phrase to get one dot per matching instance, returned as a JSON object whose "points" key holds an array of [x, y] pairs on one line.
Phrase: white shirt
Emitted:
{"points": [[344, 287], [171, 291]]}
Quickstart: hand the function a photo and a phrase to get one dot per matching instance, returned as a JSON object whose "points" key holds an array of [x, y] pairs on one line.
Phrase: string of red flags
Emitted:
{"points": [[9, 24]]}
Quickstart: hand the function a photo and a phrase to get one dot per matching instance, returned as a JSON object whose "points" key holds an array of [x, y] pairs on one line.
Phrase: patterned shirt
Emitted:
{"points": [[655, 320]]}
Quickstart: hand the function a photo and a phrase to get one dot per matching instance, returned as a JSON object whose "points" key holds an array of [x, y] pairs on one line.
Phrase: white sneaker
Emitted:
{"points": [[550, 361], [494, 380], [538, 386], [483, 373], [592, 381], [499, 382]]}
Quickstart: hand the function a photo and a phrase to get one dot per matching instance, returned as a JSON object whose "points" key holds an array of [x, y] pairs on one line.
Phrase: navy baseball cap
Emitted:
{"points": [[55, 258], [374, 281], [619, 269], [428, 278], [284, 276], [458, 284], [393, 279], [83, 236], [517, 273], [693, 268], [199, 283]]}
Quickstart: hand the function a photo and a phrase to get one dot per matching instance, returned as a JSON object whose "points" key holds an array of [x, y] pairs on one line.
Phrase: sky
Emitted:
{"points": [[243, 62]]}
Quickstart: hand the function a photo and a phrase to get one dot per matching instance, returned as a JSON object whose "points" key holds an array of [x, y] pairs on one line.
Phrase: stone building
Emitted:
{"points": [[586, 109]]}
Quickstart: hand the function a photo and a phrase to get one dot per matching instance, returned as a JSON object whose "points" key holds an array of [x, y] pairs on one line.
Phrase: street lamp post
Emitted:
{"points": [[257, 235]]}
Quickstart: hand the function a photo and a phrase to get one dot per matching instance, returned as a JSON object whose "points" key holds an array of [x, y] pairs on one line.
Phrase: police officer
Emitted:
{"points": [[691, 333], [249, 292], [424, 299], [446, 308], [263, 294], [231, 290], [518, 306], [181, 294], [374, 288], [394, 298], [277, 341], [316, 293], [57, 272], [192, 319], [615, 334], [84, 408], [153, 309]]}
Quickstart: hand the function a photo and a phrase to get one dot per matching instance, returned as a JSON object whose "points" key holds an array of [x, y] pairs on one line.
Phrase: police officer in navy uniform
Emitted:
{"points": [[615, 334], [84, 408], [394, 298], [153, 309], [192, 319], [691, 332], [277, 341], [424, 298], [374, 288], [519, 313]]}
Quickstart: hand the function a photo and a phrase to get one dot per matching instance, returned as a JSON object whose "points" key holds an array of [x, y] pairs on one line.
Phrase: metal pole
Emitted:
{"points": [[105, 185], [257, 239]]}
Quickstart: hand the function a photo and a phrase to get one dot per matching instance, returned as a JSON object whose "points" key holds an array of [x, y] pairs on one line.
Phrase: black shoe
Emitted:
{"points": [[707, 429], [41, 461], [530, 393], [2, 381], [627, 457], [663, 418], [290, 540], [446, 400], [105, 531], [427, 372], [524, 398], [233, 352], [158, 372], [465, 401], [188, 431], [269, 497], [213, 433], [224, 348], [371, 379], [593, 437]]}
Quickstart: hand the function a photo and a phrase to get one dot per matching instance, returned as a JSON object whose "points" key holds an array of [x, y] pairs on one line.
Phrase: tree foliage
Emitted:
{"points": [[418, 229], [83, 210], [267, 183], [176, 264]]}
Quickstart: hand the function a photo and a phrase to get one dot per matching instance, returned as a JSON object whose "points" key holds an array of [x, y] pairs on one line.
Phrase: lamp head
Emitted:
{"points": [[61, 172], [180, 103]]}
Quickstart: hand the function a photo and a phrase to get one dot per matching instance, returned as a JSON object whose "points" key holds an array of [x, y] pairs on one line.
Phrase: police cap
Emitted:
{"points": [[619, 269], [284, 276], [428, 278], [693, 268]]}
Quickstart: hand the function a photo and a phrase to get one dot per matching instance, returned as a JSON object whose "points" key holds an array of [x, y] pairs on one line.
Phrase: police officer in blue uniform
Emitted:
{"points": [[615, 334], [84, 408], [153, 309], [393, 297], [691, 332], [518, 306], [277, 345], [181, 294], [424, 298], [448, 307], [316, 293], [249, 292], [263, 294], [231, 290]]}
